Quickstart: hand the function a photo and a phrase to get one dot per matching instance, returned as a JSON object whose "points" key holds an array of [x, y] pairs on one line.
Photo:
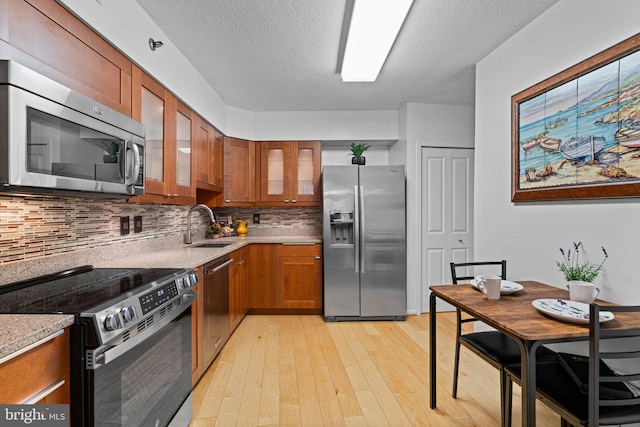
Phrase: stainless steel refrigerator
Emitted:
{"points": [[364, 243]]}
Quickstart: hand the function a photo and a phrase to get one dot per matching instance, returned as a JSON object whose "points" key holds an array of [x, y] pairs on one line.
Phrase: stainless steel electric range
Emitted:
{"points": [[130, 342]]}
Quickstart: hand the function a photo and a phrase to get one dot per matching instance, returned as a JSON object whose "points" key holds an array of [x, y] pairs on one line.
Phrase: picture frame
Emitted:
{"points": [[576, 135]]}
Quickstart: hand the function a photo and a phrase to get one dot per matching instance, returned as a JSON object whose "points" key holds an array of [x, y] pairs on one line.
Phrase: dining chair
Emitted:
{"points": [[587, 393], [493, 346]]}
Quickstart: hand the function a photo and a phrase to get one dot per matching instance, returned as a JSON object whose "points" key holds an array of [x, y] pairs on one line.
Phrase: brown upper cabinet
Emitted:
{"points": [[169, 128], [44, 36], [209, 146], [239, 172], [290, 173]]}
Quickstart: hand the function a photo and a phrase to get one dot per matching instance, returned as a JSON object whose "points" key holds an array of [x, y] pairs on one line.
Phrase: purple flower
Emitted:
{"points": [[573, 269]]}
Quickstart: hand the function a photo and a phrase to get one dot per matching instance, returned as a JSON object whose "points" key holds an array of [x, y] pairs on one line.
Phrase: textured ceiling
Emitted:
{"points": [[282, 55]]}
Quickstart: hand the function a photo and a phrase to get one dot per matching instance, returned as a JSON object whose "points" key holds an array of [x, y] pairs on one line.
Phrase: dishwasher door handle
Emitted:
{"points": [[211, 270]]}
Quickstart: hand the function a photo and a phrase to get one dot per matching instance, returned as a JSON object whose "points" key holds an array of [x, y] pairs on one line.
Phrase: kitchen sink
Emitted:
{"points": [[212, 245]]}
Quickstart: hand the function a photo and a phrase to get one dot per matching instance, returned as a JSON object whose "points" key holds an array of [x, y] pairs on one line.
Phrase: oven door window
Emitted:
{"points": [[147, 385], [56, 146]]}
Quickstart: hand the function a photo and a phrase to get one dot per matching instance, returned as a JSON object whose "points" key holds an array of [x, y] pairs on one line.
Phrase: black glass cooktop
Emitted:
{"points": [[77, 290]]}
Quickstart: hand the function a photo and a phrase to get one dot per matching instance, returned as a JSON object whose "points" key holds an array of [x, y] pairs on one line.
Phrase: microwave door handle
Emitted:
{"points": [[131, 179], [122, 160]]}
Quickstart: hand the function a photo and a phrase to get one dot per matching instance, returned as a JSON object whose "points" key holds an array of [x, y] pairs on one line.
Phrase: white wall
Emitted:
{"points": [[425, 125], [323, 125], [529, 235]]}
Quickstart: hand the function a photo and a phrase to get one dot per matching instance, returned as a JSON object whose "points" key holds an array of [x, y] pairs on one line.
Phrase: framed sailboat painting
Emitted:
{"points": [[576, 135]]}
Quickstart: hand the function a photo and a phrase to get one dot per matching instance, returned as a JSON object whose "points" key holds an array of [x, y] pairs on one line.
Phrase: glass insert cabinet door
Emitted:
{"points": [[305, 172], [183, 150], [153, 120], [306, 159], [275, 171], [290, 171]]}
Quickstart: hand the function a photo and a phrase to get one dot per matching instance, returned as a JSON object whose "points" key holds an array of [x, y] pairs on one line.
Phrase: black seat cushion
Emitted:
{"points": [[556, 386], [578, 369], [500, 348]]}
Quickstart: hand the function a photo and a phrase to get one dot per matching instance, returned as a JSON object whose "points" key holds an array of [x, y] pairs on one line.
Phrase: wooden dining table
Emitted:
{"points": [[515, 316]]}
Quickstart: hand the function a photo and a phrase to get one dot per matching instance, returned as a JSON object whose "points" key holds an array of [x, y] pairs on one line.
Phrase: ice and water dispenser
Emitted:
{"points": [[342, 232]]}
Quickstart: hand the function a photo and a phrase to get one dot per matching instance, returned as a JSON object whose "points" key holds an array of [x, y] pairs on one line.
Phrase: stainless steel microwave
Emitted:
{"points": [[56, 140]]}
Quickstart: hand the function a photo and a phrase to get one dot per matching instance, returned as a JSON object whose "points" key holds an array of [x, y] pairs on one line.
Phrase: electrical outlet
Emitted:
{"points": [[137, 224], [256, 218], [124, 225]]}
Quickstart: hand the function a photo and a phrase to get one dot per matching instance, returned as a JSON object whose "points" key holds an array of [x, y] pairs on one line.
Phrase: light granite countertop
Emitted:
{"points": [[190, 256], [18, 331], [21, 330]]}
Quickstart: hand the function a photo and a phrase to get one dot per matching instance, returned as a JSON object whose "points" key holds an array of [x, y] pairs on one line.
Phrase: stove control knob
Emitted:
{"points": [[186, 282], [112, 322], [129, 314], [194, 279]]}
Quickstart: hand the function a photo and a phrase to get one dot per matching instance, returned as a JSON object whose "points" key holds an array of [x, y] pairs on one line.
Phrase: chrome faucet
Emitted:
{"points": [[187, 236]]}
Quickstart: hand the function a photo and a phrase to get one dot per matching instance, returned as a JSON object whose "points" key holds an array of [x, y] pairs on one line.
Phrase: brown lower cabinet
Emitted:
{"points": [[39, 375], [285, 277], [299, 276], [197, 364], [238, 286], [262, 276]]}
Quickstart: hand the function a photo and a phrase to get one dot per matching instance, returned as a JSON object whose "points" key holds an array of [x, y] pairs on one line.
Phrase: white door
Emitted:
{"points": [[447, 215]]}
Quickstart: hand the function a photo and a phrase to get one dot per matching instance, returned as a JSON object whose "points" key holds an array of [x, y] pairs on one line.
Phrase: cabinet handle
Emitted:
{"points": [[286, 200], [227, 201], [44, 393], [31, 346], [294, 201], [317, 257]]}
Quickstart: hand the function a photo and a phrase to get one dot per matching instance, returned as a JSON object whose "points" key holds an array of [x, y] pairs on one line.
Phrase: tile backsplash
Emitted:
{"points": [[35, 227]]}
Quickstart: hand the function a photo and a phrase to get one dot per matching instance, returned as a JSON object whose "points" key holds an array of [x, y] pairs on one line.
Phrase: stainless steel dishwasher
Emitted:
{"points": [[215, 308]]}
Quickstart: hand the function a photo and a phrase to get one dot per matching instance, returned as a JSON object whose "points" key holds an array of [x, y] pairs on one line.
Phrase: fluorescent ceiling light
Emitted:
{"points": [[374, 27]]}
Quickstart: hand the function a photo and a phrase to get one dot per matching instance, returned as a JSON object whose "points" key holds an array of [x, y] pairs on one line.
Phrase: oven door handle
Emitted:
{"points": [[99, 357], [217, 267]]}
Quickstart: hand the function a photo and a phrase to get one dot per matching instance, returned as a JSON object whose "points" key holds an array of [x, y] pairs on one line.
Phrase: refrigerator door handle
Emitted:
{"points": [[356, 224], [362, 222]]}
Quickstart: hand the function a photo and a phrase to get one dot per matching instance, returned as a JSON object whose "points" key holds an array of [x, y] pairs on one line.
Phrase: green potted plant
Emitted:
{"points": [[572, 269], [357, 150], [214, 230]]}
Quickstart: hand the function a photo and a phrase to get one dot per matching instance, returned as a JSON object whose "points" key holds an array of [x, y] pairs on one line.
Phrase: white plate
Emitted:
{"points": [[506, 287], [570, 311]]}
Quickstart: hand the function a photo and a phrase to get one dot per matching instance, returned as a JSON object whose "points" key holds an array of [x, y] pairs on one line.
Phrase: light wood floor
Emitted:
{"points": [[301, 371]]}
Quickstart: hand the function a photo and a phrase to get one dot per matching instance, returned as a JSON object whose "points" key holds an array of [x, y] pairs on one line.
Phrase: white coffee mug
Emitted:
{"points": [[580, 291], [489, 285]]}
